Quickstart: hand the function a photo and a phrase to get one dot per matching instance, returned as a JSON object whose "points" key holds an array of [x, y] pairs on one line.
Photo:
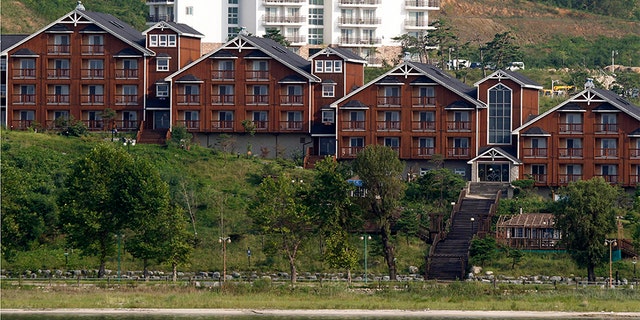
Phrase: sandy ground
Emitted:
{"points": [[338, 313]]}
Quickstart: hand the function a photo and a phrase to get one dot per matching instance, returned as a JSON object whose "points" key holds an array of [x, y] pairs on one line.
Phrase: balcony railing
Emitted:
{"points": [[386, 101], [388, 125], [92, 73], [359, 41], [222, 125], [634, 152], [293, 19], [606, 152], [94, 125], [457, 152], [606, 128], [260, 75], [350, 152], [453, 126], [57, 99], [634, 179], [423, 101], [423, 151], [58, 49], [58, 73], [539, 178], [422, 3], [353, 125], [127, 73], [261, 125], [296, 39], [23, 98], [128, 99], [291, 125], [160, 17], [257, 99], [222, 99], [535, 152], [416, 23], [358, 2], [570, 127], [188, 99], [22, 124], [611, 178], [26, 73], [126, 125], [291, 99], [359, 21], [283, 2], [570, 152], [423, 126], [92, 99], [223, 74], [190, 125], [566, 178], [92, 49]]}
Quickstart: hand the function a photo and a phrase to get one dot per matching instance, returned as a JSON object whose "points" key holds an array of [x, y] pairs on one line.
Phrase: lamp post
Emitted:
{"points": [[249, 256], [224, 241], [66, 259], [114, 132], [119, 237], [634, 261], [472, 221], [610, 242], [365, 237]]}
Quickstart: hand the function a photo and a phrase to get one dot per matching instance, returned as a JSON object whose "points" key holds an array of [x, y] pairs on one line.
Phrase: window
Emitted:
{"points": [[129, 68], [260, 119], [337, 66], [426, 146], [316, 16], [426, 120], [162, 90], [129, 119], [188, 11], [27, 94], [538, 171], [162, 64], [27, 68], [232, 15], [316, 36], [426, 96], [356, 120], [61, 114], [61, 68], [153, 40], [500, 115], [60, 94], [60, 44], [609, 122], [608, 148], [391, 121], [233, 1], [328, 66], [319, 66], [225, 94], [96, 69], [172, 40], [317, 2], [162, 40], [328, 117], [96, 94], [392, 142], [232, 32], [294, 120], [191, 119], [460, 147], [609, 172], [328, 90]]}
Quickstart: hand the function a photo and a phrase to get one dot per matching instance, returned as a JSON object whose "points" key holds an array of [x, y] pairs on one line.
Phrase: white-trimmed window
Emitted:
{"points": [[188, 10], [328, 66], [162, 90], [153, 40], [162, 40], [172, 40], [162, 64], [328, 117], [337, 66], [329, 90], [319, 66]]}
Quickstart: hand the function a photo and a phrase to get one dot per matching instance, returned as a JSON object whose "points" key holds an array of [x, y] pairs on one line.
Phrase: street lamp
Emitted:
{"points": [[114, 132], [634, 261], [610, 243], [66, 259], [472, 221], [365, 238], [224, 241]]}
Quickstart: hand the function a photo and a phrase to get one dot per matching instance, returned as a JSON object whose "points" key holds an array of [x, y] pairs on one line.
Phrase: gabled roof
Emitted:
{"points": [[106, 22], [438, 76], [536, 220], [345, 54], [268, 48], [8, 40], [24, 52], [515, 76], [180, 28], [496, 152], [590, 95], [535, 131]]}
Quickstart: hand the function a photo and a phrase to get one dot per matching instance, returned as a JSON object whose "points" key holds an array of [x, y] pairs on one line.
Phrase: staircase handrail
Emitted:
{"points": [[627, 247], [486, 225], [443, 233], [140, 129]]}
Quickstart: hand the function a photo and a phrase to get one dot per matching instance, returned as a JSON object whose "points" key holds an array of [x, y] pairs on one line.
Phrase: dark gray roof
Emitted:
{"points": [[423, 80], [128, 52], [389, 80], [440, 76], [8, 40], [605, 107], [459, 104], [184, 28], [321, 128], [24, 52], [280, 52], [521, 78], [293, 78], [116, 26], [188, 78], [58, 27], [619, 102], [348, 54], [571, 107], [535, 131], [223, 54], [354, 104]]}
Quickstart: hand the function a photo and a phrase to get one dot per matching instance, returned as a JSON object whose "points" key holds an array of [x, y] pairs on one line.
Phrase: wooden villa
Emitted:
{"points": [[528, 231]]}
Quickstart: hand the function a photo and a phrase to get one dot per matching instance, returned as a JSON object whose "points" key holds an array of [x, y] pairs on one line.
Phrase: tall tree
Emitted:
{"points": [[279, 210], [104, 196], [502, 50], [586, 214], [381, 173], [275, 35]]}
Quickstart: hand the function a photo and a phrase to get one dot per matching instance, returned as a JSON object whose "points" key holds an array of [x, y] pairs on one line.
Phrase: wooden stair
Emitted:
{"points": [[153, 136]]}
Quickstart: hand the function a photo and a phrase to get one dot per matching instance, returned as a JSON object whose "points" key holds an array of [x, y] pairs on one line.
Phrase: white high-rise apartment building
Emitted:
{"points": [[365, 26]]}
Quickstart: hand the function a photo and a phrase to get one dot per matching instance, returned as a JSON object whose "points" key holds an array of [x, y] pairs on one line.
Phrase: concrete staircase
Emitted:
{"points": [[449, 258]]}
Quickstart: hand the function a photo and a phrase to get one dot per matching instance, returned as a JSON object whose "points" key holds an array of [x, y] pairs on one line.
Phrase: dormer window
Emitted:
{"points": [[162, 40]]}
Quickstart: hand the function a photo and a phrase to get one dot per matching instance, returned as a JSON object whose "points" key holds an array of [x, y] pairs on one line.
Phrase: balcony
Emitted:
{"points": [[261, 125], [25, 73], [92, 73], [458, 126], [422, 102], [423, 152], [539, 178], [160, 18], [388, 125], [257, 99], [417, 24], [292, 100], [358, 3], [92, 49], [353, 21], [221, 99], [57, 99], [283, 2], [291, 125], [148, 2], [126, 125], [387, 101], [287, 20], [352, 125], [126, 73], [535, 152], [566, 178], [359, 42], [569, 128], [228, 75], [609, 153], [190, 125], [58, 73], [92, 99], [94, 125], [296, 39], [221, 125], [458, 152], [350, 152], [126, 99], [58, 49], [422, 4], [428, 126], [634, 153], [571, 153], [257, 75], [606, 128], [22, 124], [23, 98], [610, 178], [188, 99]]}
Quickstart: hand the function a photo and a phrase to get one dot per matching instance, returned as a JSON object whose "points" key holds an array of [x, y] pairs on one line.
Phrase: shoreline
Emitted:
{"points": [[335, 313]]}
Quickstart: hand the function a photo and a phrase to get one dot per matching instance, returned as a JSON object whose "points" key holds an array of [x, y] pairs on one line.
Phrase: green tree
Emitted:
{"points": [[335, 213], [586, 214], [381, 173], [279, 209], [104, 196], [482, 250], [502, 50], [275, 35]]}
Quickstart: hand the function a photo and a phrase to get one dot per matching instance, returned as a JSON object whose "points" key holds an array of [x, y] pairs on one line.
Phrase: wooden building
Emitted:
{"points": [[528, 231]]}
